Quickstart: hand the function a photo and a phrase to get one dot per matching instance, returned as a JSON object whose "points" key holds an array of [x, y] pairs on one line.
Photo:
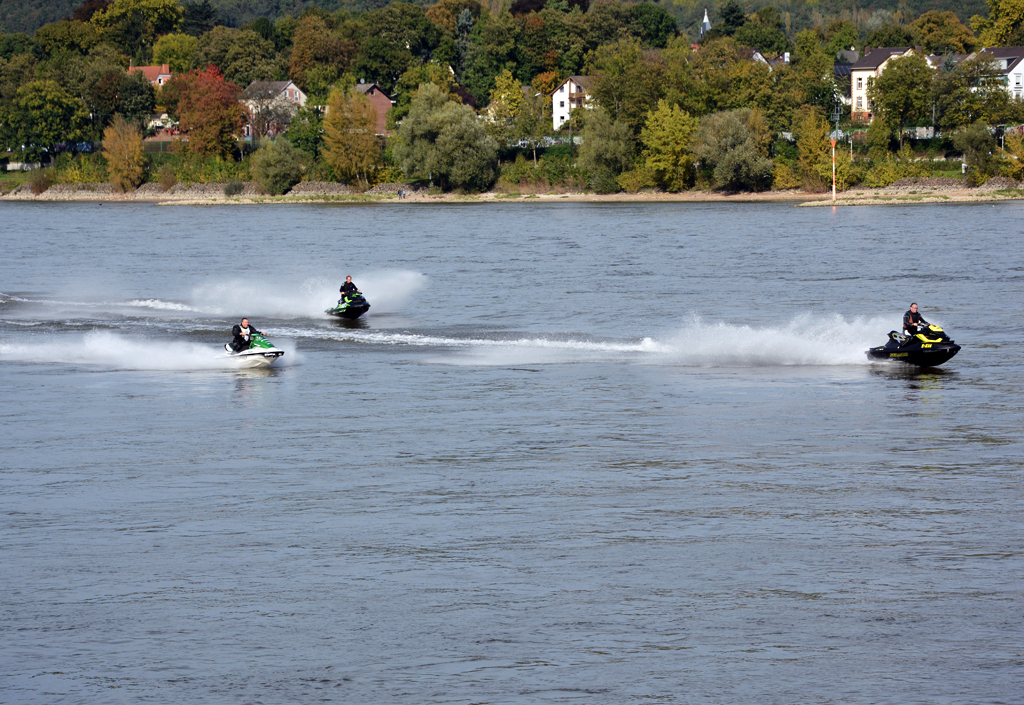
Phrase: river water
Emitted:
{"points": [[575, 453]]}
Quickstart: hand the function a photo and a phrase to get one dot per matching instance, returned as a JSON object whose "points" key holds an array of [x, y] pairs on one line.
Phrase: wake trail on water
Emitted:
{"points": [[117, 352], [386, 290], [805, 340]]}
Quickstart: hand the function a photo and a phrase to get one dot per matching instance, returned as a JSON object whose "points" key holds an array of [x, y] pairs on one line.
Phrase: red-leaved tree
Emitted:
{"points": [[207, 109]]}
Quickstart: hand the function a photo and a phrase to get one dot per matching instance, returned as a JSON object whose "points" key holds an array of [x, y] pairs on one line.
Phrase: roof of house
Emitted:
{"points": [[1009, 57], [876, 57], [583, 81], [265, 88], [369, 88], [152, 73]]}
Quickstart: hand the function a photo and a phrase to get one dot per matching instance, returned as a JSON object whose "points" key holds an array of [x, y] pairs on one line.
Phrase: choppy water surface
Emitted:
{"points": [[574, 454]]}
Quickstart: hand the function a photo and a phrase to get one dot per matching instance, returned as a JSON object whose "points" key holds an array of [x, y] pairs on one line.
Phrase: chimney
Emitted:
{"points": [[785, 57]]}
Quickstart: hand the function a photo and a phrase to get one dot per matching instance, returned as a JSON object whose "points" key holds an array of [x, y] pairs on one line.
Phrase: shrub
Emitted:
{"points": [[633, 181], [892, 168], [233, 187], [607, 150], [81, 169], [277, 165], [122, 148], [1013, 165], [40, 179], [731, 153], [979, 150], [167, 177], [784, 177]]}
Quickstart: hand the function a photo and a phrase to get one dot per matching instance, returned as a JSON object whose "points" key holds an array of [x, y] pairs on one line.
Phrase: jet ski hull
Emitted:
{"points": [[351, 309], [351, 313], [930, 357], [919, 350], [251, 359]]}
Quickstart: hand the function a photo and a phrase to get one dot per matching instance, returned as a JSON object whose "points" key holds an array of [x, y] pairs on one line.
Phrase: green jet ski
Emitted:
{"points": [[261, 353], [351, 307]]}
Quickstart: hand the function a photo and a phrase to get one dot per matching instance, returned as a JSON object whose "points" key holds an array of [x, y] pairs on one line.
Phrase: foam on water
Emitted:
{"points": [[805, 340], [387, 291], [117, 352]]}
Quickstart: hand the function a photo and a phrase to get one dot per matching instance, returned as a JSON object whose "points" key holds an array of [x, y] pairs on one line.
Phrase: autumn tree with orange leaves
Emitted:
{"points": [[207, 109]]}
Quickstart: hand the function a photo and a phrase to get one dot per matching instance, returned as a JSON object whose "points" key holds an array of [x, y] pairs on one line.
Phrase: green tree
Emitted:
{"points": [[43, 115], [901, 92], [764, 31], [136, 97], [813, 147], [506, 101], [198, 18], [943, 32], [840, 35], [973, 90], [306, 130], [352, 148], [277, 165], [607, 150], [443, 140], [733, 18], [532, 122], [893, 35], [250, 58], [667, 138], [1004, 25], [979, 149], [879, 138], [67, 36], [135, 24], [122, 148], [627, 81], [409, 83], [650, 23], [175, 50], [731, 152]]}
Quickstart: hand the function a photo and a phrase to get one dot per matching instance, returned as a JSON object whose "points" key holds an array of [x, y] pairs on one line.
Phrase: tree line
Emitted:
{"points": [[667, 114]]}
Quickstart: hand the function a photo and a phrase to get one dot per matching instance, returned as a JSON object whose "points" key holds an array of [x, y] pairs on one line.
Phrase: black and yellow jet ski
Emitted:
{"points": [[928, 349]]}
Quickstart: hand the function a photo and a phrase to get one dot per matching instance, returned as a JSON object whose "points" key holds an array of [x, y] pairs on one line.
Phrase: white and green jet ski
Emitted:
{"points": [[261, 353]]}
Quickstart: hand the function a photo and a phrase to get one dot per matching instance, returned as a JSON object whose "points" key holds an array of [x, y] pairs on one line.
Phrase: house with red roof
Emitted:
{"points": [[156, 75]]}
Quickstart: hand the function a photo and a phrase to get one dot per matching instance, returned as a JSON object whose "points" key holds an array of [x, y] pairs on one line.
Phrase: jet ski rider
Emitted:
{"points": [[242, 335], [913, 322], [349, 288]]}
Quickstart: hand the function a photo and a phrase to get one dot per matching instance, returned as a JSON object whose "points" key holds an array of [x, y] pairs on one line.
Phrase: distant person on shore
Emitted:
{"points": [[913, 322], [243, 335], [348, 288]]}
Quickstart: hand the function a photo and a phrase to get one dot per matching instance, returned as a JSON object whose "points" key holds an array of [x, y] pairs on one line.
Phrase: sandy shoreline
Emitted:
{"points": [[212, 194]]}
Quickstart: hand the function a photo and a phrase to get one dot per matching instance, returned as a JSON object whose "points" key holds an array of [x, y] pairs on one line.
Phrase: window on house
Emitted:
{"points": [[562, 89], [561, 104], [860, 103], [1017, 77], [860, 84]]}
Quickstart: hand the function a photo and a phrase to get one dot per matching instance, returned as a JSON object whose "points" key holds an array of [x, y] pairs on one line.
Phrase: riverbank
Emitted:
{"points": [[903, 192]]}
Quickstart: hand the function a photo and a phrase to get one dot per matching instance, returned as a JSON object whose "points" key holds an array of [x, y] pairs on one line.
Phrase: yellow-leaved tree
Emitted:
{"points": [[122, 148], [667, 138], [351, 145], [1004, 25]]}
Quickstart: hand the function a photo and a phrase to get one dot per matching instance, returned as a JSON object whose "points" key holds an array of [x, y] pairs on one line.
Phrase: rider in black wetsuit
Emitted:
{"points": [[913, 322], [242, 335], [348, 288]]}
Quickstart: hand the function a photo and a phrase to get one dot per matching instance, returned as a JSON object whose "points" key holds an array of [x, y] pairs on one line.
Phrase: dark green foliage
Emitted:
{"points": [[729, 153], [733, 17], [306, 130], [277, 165], [979, 149], [607, 150], [13, 44], [650, 23], [198, 18], [893, 35], [233, 187], [136, 98]]}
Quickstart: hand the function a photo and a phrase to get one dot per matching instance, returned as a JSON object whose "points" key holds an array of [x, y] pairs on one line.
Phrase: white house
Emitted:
{"points": [[1010, 64], [272, 105], [572, 94], [866, 70]]}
